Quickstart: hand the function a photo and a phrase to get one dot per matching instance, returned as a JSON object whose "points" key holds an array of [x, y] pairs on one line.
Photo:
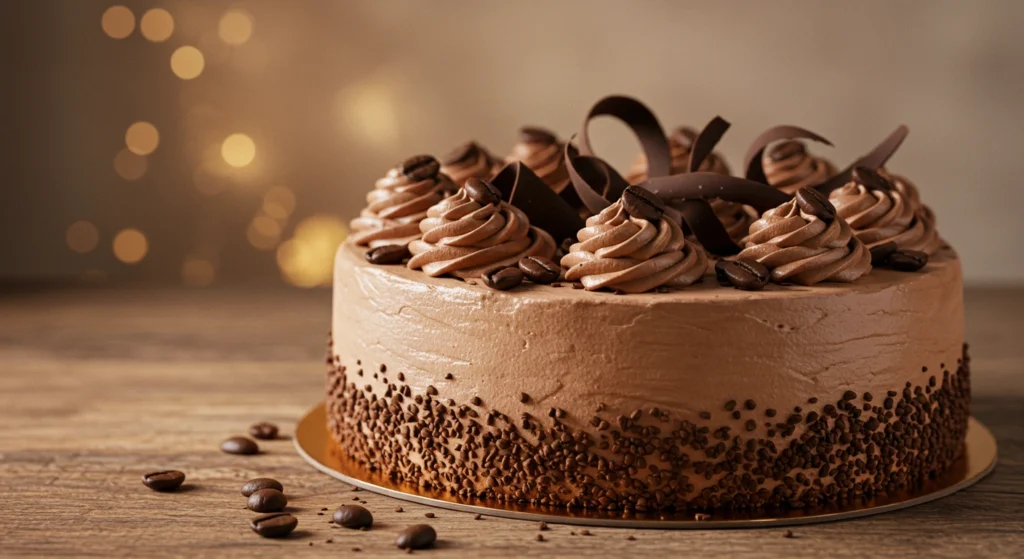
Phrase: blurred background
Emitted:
{"points": [[208, 143]]}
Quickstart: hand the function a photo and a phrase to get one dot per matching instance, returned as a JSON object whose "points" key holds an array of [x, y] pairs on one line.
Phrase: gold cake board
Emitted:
{"points": [[316, 446]]}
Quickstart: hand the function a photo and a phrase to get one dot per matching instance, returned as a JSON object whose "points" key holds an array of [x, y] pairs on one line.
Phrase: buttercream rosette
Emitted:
{"points": [[680, 145], [464, 238], [542, 152], [801, 248], [789, 167], [888, 214], [399, 201], [909, 189], [633, 255], [470, 161]]}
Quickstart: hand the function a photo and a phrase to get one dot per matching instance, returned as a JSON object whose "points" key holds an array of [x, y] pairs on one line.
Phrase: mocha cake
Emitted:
{"points": [[648, 358]]}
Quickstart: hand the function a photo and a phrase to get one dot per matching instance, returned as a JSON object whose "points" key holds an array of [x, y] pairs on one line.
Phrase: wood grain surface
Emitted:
{"points": [[98, 387]]}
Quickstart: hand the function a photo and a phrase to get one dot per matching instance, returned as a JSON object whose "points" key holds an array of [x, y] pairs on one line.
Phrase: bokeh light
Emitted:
{"points": [[235, 27], [307, 259], [367, 111], [130, 166], [279, 202], [118, 22], [82, 236], [156, 25], [263, 233], [142, 138], [130, 246], [238, 150], [187, 62], [198, 272]]}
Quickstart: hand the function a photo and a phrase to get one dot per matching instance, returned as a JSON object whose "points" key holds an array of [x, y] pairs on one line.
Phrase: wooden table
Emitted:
{"points": [[98, 387]]}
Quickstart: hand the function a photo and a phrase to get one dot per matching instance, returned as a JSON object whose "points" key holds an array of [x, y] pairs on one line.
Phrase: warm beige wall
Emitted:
{"points": [[340, 90]]}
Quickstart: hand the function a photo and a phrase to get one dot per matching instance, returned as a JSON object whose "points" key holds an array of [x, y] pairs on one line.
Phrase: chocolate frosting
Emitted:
{"points": [[541, 151], [680, 144], [875, 159], [880, 216], [632, 255], [395, 208], [909, 190], [470, 161], [803, 249], [522, 188], [787, 165], [464, 238]]}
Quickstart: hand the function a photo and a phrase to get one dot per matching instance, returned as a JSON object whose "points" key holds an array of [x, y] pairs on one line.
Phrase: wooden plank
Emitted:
{"points": [[98, 387]]}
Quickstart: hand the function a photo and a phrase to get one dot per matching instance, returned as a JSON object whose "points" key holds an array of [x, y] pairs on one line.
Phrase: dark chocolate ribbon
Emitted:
{"points": [[705, 142], [545, 209], [874, 160], [644, 125], [752, 161], [586, 171]]}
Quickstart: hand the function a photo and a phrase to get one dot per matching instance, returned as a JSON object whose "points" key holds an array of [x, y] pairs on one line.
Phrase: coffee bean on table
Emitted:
{"points": [[420, 167], [240, 445], [417, 536], [263, 431], [503, 278], [642, 204], [748, 275], [353, 516], [388, 254], [870, 178], [815, 203], [482, 192], [539, 269], [908, 260], [267, 500], [274, 525], [880, 253], [254, 485], [164, 481]]}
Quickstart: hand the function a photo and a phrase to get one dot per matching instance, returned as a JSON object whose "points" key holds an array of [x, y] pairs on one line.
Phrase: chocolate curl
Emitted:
{"points": [[593, 180], [706, 141], [522, 188], [689, 193], [874, 160], [642, 122], [752, 161]]}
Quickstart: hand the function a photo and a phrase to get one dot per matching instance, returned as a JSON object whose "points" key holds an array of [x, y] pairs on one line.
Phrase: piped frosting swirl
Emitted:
{"points": [[465, 238], [470, 161], [398, 202], [542, 152], [680, 144], [878, 216], [789, 167], [632, 255], [801, 248]]}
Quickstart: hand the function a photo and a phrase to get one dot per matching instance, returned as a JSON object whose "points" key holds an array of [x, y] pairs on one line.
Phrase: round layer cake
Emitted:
{"points": [[699, 398]]}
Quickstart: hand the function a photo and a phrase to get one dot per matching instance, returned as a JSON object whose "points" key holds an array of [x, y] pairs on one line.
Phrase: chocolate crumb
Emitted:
{"points": [[399, 509], [524, 397], [730, 405], [478, 517], [750, 405], [476, 401], [540, 537], [705, 415], [429, 515], [324, 509], [328, 540], [585, 532], [355, 488], [788, 534], [449, 376], [631, 538], [543, 526]]}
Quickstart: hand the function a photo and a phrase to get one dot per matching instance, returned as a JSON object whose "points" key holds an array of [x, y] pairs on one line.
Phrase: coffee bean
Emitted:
{"points": [[353, 516], [503, 279], [482, 192], [880, 253], [539, 269], [254, 485], [815, 203], [420, 167], [416, 537], [535, 135], [748, 275], [871, 179], [267, 500], [908, 260], [239, 445], [787, 149], [164, 481], [720, 271], [642, 204], [263, 431], [274, 525], [387, 254]]}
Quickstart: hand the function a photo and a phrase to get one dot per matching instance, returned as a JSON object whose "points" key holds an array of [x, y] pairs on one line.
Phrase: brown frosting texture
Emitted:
{"points": [[680, 144], [395, 207], [464, 238], [542, 152], [632, 255], [909, 190], [470, 161], [803, 249], [880, 216], [789, 167]]}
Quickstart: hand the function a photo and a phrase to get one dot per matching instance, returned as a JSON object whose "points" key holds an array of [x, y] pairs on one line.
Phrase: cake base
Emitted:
{"points": [[314, 443]]}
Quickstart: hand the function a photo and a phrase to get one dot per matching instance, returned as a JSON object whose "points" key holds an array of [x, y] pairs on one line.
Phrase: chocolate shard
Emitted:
{"points": [[642, 122], [706, 141], [874, 160], [547, 210], [593, 180], [754, 169]]}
